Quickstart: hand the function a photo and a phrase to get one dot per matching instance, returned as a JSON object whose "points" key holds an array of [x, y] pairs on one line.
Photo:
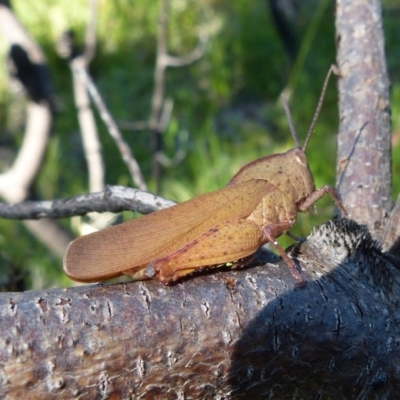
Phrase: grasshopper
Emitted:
{"points": [[224, 227]]}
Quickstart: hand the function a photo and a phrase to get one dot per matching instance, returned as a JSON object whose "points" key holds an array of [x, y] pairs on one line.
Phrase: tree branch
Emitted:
{"points": [[364, 142], [91, 35], [194, 55], [90, 138], [15, 183], [113, 199], [112, 127], [240, 334], [157, 120]]}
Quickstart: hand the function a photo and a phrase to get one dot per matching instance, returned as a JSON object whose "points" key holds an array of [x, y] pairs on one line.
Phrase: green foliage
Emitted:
{"points": [[226, 112]]}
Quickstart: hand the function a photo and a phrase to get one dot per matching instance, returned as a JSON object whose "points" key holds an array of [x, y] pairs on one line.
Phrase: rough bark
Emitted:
{"points": [[113, 199], [239, 334], [391, 234], [364, 142]]}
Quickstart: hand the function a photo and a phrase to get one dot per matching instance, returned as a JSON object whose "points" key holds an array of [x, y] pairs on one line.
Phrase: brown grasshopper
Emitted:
{"points": [[224, 227]]}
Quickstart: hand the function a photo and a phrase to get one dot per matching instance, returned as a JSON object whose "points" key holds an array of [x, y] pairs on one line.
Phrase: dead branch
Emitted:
{"points": [[113, 199], [127, 156], [15, 183], [91, 36], [157, 121], [194, 55], [240, 334], [364, 142], [15, 32], [90, 138], [68, 49]]}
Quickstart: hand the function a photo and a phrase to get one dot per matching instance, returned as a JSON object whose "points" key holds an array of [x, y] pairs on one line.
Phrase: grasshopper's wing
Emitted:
{"points": [[132, 245]]}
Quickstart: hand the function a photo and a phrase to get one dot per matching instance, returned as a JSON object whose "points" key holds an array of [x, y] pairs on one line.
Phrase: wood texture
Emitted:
{"points": [[113, 198], [244, 334], [364, 141]]}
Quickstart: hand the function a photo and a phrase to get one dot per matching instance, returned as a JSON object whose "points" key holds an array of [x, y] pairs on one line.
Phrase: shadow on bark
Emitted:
{"points": [[338, 338]]}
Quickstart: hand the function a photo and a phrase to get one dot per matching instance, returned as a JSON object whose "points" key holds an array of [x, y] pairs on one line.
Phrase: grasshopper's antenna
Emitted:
{"points": [[333, 68], [289, 117]]}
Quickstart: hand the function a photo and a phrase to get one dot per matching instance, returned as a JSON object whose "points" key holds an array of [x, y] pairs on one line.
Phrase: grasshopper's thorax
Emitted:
{"points": [[289, 172]]}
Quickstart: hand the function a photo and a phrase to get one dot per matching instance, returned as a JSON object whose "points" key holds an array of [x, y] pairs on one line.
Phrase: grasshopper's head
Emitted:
{"points": [[289, 172], [302, 178]]}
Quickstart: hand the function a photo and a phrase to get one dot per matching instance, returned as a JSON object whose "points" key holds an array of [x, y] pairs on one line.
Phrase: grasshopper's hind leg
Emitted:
{"points": [[221, 244], [270, 234]]}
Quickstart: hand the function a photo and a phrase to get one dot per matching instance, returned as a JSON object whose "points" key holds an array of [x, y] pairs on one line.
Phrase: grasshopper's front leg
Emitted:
{"points": [[313, 197], [222, 244]]}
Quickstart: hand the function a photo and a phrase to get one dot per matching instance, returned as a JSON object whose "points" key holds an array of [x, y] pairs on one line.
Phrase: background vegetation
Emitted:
{"points": [[226, 112]]}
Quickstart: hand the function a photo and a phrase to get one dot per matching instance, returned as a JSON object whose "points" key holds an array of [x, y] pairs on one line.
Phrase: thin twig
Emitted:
{"points": [[134, 125], [112, 127], [196, 54], [91, 38], [158, 92], [165, 115], [113, 199], [90, 137], [157, 123]]}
